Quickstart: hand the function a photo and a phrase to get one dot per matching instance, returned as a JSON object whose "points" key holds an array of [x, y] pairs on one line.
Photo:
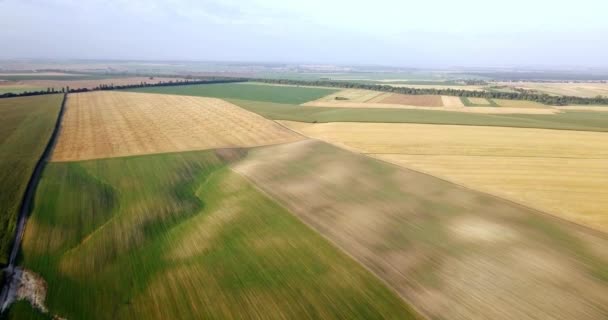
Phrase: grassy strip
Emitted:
{"points": [[269, 93], [575, 120], [25, 126], [180, 236]]}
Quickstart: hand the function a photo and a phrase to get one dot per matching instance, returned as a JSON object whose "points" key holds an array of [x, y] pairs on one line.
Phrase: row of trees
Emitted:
{"points": [[126, 86], [519, 94]]}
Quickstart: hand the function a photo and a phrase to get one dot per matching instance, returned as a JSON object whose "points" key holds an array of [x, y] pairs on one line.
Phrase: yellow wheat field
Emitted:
{"points": [[560, 172], [113, 124], [519, 104]]}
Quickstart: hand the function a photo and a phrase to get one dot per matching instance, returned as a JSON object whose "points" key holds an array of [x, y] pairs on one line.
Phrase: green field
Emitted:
{"points": [[181, 236], [245, 91], [8, 89], [26, 124], [468, 103], [569, 120]]}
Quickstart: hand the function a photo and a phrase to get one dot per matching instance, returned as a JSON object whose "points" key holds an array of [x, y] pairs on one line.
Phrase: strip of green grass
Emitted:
{"points": [[26, 124], [569, 120], [468, 103], [181, 236], [269, 93]]}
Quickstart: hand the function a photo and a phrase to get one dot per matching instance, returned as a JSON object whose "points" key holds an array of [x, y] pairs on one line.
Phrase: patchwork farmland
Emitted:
{"points": [[111, 124], [258, 201], [517, 164]]}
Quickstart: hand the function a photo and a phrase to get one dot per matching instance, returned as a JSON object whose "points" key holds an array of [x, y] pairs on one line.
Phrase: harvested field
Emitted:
{"points": [[560, 172], [586, 90], [413, 100], [26, 124], [114, 124], [92, 83], [181, 236], [454, 253], [483, 101], [245, 91], [599, 108], [452, 102]]}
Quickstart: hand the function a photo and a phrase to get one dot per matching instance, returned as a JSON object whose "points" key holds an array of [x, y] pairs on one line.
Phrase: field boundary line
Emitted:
{"points": [[577, 225], [26, 205], [416, 311]]}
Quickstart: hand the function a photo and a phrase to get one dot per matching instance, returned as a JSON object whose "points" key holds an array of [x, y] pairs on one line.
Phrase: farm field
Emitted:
{"points": [[452, 252], [268, 93], [17, 89], [556, 171], [356, 98], [519, 104], [26, 125], [115, 123], [93, 82], [587, 90], [413, 100], [181, 236], [569, 120]]}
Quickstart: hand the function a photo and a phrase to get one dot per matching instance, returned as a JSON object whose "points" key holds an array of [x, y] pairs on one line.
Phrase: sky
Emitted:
{"points": [[429, 33]]}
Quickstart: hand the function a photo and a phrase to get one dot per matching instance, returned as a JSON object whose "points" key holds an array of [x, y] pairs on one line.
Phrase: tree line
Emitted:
{"points": [[67, 89], [519, 94]]}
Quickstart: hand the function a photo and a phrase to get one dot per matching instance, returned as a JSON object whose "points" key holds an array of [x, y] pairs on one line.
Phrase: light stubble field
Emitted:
{"points": [[557, 171], [113, 124]]}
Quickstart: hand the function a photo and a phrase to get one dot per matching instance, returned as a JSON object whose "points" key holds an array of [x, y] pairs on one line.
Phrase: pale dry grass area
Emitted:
{"points": [[113, 124], [413, 100], [564, 173], [478, 100], [452, 102], [585, 108], [586, 90], [452, 252]]}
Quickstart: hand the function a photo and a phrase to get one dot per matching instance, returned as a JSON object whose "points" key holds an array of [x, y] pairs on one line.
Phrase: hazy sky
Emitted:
{"points": [[385, 32]]}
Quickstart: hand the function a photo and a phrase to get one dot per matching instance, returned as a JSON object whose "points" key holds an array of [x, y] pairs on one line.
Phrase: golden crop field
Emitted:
{"points": [[587, 90], [452, 102], [564, 173], [113, 124]]}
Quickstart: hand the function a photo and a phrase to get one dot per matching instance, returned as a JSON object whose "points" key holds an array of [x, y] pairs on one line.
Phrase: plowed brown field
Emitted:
{"points": [[113, 124]]}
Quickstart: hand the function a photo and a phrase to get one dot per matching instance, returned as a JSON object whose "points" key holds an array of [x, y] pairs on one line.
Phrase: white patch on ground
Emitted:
{"points": [[476, 229], [32, 287]]}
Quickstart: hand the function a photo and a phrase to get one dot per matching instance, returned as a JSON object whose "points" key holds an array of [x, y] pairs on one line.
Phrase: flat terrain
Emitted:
{"points": [[569, 120], [20, 83], [587, 90], [452, 252], [356, 98], [181, 236], [26, 124], [245, 91], [519, 104], [112, 124], [556, 171], [413, 100]]}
